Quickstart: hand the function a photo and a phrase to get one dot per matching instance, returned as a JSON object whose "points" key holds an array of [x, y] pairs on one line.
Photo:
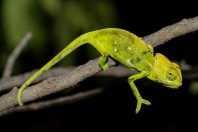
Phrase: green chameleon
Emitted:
{"points": [[129, 50]]}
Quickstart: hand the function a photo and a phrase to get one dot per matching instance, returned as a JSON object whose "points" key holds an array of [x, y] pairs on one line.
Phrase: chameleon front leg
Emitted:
{"points": [[139, 98]]}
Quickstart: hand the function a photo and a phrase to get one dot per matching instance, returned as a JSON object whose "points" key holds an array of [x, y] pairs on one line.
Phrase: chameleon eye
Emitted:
{"points": [[171, 76]]}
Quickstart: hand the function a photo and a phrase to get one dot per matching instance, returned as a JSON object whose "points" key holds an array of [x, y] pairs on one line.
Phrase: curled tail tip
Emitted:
{"points": [[19, 102], [19, 98]]}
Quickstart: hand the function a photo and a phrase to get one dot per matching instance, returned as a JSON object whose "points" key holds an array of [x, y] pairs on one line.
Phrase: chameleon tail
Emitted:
{"points": [[68, 49]]}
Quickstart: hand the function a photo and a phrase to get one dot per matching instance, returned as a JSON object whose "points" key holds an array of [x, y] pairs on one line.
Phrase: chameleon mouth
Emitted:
{"points": [[175, 86]]}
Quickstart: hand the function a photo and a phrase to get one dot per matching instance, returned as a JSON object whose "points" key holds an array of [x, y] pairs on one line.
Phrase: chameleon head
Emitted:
{"points": [[165, 72]]}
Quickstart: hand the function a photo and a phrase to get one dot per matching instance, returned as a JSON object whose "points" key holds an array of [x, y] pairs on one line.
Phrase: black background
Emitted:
{"points": [[114, 109]]}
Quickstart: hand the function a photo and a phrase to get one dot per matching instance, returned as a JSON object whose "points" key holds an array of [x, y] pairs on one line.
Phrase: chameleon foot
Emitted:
{"points": [[102, 63], [139, 104], [104, 67]]}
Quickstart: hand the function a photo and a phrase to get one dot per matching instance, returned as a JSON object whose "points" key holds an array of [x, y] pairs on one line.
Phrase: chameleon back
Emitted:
{"points": [[125, 47]]}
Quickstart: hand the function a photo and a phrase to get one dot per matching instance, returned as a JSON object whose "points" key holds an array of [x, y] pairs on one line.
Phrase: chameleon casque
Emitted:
{"points": [[127, 49]]}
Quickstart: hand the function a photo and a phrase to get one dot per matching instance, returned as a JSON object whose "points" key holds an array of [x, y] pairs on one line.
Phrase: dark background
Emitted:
{"points": [[114, 109]]}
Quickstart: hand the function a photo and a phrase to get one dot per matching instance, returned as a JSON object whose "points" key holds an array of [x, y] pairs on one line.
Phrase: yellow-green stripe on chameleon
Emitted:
{"points": [[129, 50]]}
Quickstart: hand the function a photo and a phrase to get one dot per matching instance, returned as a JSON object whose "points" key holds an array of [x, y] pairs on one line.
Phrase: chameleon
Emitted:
{"points": [[127, 49]]}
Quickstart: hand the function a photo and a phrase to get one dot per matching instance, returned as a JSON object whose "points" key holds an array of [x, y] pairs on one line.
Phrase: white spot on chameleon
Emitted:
{"points": [[129, 48], [129, 63], [115, 49], [148, 63]]}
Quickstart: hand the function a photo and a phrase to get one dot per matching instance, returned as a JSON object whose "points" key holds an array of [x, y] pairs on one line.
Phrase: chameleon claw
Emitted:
{"points": [[139, 104]]}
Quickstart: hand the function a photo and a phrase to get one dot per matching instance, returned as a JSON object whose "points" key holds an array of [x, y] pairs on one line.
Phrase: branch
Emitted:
{"points": [[14, 55], [52, 85], [65, 100], [118, 71], [172, 31], [56, 84], [8, 83]]}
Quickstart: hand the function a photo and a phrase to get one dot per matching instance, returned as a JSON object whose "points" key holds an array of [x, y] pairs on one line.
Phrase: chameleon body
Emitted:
{"points": [[127, 49]]}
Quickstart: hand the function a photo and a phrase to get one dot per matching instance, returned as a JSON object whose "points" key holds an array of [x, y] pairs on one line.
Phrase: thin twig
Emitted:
{"points": [[56, 84], [14, 55], [65, 100], [190, 74]]}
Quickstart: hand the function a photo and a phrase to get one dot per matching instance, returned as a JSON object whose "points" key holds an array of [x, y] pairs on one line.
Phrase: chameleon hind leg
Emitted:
{"points": [[103, 62], [139, 98]]}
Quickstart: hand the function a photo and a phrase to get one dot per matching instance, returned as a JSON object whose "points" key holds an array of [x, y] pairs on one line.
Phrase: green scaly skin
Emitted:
{"points": [[129, 50]]}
